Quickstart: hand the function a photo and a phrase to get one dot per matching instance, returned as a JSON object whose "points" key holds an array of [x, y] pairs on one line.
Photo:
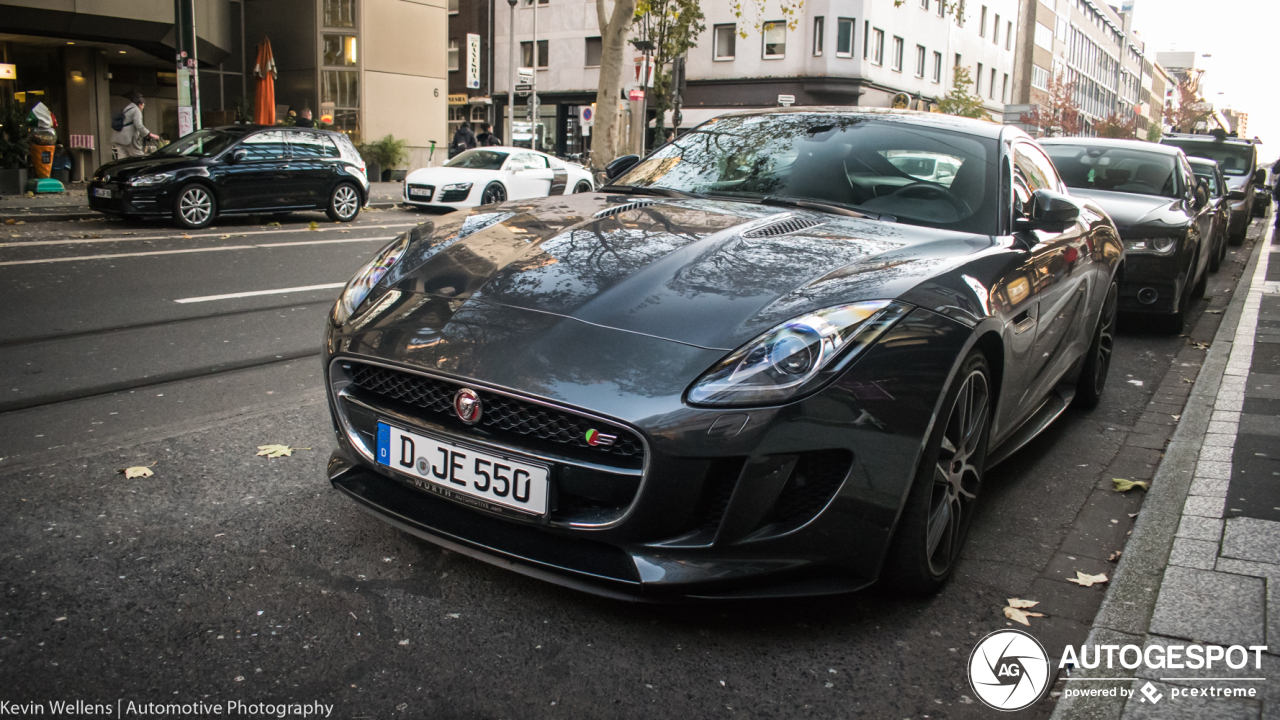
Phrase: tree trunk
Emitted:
{"points": [[607, 130]]}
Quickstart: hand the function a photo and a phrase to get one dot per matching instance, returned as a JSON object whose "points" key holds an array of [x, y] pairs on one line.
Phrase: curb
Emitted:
{"points": [[33, 217], [1125, 614]]}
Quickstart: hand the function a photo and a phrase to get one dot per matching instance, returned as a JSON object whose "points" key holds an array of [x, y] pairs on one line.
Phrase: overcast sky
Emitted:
{"points": [[1242, 37]]}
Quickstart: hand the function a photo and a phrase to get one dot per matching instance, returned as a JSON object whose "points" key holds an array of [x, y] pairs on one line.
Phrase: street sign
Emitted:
{"points": [[786, 100], [525, 74], [523, 89], [636, 95], [586, 114]]}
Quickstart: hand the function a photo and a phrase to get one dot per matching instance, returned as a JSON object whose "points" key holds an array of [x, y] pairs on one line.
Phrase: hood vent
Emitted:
{"points": [[619, 209], [785, 226]]}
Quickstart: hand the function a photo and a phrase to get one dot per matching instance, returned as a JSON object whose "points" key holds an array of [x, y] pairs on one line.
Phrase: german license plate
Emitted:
{"points": [[101, 192], [419, 192], [463, 472]]}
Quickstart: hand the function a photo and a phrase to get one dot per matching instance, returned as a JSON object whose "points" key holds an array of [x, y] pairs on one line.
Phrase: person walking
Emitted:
{"points": [[304, 119], [131, 136], [486, 138], [464, 139]]}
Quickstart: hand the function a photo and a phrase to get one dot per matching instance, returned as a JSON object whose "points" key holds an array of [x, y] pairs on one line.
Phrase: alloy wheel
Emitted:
{"points": [[493, 194], [582, 187], [958, 473], [195, 205], [1106, 339], [345, 201]]}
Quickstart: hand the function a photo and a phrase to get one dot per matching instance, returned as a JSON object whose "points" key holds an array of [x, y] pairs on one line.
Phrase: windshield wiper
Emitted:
{"points": [[646, 190], [830, 206]]}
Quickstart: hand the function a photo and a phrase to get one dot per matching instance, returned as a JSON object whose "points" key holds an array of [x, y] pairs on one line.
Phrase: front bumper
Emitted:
{"points": [[1145, 274], [431, 196], [126, 200], [793, 500]]}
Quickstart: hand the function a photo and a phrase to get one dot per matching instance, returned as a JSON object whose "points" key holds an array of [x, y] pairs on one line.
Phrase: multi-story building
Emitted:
{"points": [[378, 67], [470, 62], [1238, 122]]}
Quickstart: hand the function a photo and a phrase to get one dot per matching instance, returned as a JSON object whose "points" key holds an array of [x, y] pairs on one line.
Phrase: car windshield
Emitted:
{"points": [[1232, 158], [1115, 169], [887, 165], [478, 160], [202, 143]]}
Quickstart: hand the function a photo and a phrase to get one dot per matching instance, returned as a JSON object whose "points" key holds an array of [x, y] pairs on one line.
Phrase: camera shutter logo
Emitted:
{"points": [[1009, 670]]}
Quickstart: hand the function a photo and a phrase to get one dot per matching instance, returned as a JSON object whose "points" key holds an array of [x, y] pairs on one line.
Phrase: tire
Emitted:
{"points": [[344, 203], [582, 186], [939, 508], [194, 207], [493, 193], [1097, 361], [1237, 238]]}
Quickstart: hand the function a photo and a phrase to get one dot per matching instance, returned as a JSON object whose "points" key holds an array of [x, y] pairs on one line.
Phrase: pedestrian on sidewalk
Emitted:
{"points": [[130, 135], [464, 139], [487, 138], [304, 119]]}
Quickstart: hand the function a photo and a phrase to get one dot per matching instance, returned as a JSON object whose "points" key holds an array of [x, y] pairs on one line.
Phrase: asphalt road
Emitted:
{"points": [[226, 576]]}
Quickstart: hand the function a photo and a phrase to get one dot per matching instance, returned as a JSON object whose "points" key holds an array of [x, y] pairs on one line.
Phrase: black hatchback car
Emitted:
{"points": [[1163, 215], [236, 170]]}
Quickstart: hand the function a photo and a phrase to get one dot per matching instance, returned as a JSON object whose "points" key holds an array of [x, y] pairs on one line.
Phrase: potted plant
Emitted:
{"points": [[13, 148], [383, 156]]}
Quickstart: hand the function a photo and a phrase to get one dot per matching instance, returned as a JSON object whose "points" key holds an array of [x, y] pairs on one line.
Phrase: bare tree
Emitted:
{"points": [[607, 128], [1059, 116]]}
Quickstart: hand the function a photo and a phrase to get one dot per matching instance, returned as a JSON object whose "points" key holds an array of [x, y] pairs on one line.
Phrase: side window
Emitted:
{"points": [[525, 161], [305, 144], [1188, 177], [1036, 168], [327, 147], [537, 162], [269, 145]]}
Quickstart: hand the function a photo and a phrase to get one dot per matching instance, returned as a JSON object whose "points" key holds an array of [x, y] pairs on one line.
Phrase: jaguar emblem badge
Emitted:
{"points": [[466, 403]]}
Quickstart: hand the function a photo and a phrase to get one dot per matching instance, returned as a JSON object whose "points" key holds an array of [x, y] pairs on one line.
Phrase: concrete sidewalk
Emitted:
{"points": [[74, 204], [1203, 563]]}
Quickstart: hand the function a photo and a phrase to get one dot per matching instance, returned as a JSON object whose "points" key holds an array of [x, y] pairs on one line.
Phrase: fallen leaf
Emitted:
{"points": [[273, 224], [1200, 345], [1122, 485], [1084, 580], [1136, 382], [1176, 417], [136, 471], [1133, 515], [314, 225], [223, 237], [186, 236], [275, 451], [1187, 380], [1116, 555], [10, 221], [1020, 603], [1020, 616], [344, 231], [1213, 312], [21, 222]]}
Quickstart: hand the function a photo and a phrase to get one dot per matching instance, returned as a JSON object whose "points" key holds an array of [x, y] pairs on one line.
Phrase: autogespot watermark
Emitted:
{"points": [[1010, 670], [132, 708]]}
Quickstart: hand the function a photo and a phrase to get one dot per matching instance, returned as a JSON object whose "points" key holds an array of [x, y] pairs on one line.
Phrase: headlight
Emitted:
{"points": [[366, 278], [147, 180], [464, 187], [796, 357], [1152, 246]]}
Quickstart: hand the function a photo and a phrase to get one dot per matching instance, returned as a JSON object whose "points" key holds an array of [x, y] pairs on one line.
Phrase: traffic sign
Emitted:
{"points": [[786, 100], [523, 89], [635, 95], [525, 74]]}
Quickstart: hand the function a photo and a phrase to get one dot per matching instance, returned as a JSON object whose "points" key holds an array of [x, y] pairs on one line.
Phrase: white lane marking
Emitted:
{"points": [[77, 241], [279, 291], [191, 250]]}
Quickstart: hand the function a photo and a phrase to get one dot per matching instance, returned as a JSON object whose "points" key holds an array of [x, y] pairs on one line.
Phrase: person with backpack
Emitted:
{"points": [[130, 134], [464, 139], [486, 138]]}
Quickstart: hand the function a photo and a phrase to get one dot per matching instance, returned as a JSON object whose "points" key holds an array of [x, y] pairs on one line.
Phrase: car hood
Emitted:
{"points": [[127, 168], [1138, 212], [441, 175], [706, 273]]}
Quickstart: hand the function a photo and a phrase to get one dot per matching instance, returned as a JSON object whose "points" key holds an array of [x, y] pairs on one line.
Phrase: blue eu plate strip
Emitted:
{"points": [[384, 443]]}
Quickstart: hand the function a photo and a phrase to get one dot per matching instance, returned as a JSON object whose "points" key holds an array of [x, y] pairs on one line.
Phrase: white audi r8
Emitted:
{"points": [[493, 174]]}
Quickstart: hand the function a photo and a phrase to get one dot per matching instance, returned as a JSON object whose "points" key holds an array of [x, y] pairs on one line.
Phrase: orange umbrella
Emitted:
{"points": [[264, 112]]}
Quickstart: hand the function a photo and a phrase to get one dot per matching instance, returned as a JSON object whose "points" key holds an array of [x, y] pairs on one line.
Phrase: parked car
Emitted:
{"points": [[1212, 180], [236, 170], [494, 174], [1238, 160], [764, 361], [1149, 191]]}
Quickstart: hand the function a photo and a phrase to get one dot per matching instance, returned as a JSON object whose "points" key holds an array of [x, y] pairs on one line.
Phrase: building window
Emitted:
{"points": [[774, 34], [924, 4], [942, 8], [977, 81], [453, 56], [1039, 78], [526, 54], [595, 48], [920, 55], [1044, 37], [937, 67], [898, 45], [982, 29], [866, 38], [1008, 35], [1061, 29], [991, 87], [726, 38], [340, 13], [844, 37], [819, 24], [340, 50], [877, 46], [1004, 89], [995, 31], [341, 87]]}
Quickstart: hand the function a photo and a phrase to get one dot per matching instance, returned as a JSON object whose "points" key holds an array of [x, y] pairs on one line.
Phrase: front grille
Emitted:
{"points": [[503, 416], [781, 227], [430, 190], [454, 195], [814, 481]]}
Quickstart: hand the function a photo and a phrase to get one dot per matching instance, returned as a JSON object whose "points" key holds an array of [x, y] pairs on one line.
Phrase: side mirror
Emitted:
{"points": [[1049, 211], [239, 155], [1260, 177], [1235, 195], [620, 166], [1201, 197]]}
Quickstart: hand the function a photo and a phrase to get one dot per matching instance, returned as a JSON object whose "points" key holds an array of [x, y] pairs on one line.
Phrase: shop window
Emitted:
{"points": [[340, 13], [340, 87], [340, 50]]}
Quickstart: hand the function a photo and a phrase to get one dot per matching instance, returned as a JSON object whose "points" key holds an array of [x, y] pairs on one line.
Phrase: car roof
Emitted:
{"points": [[246, 129], [914, 117], [1202, 161], [1141, 145], [1196, 137]]}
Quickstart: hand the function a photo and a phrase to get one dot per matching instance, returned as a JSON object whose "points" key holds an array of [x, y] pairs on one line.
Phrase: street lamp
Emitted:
{"points": [[511, 77]]}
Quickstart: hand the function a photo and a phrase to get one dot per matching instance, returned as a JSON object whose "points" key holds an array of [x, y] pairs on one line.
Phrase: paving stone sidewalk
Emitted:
{"points": [[1203, 563]]}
